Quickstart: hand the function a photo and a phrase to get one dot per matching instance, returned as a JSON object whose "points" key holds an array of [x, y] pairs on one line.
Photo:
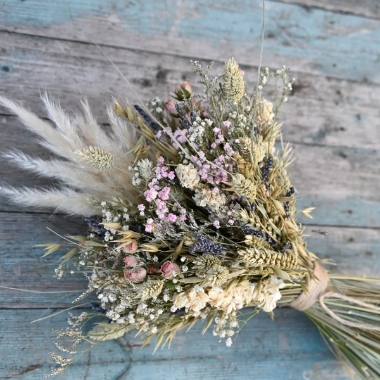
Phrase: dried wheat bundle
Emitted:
{"points": [[191, 215]]}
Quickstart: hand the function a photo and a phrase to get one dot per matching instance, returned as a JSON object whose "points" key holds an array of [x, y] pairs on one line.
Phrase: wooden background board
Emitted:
{"points": [[332, 122]]}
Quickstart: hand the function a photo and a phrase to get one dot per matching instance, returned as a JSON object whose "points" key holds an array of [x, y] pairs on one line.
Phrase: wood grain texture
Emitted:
{"points": [[366, 8], [321, 110], [289, 347], [307, 39], [332, 121]]}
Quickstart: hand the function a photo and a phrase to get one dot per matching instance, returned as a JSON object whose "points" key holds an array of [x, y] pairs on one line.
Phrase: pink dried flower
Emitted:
{"points": [[183, 91], [216, 224], [135, 275], [148, 228], [169, 269], [130, 261], [170, 107], [150, 194], [131, 247], [164, 193], [172, 218], [153, 269]]}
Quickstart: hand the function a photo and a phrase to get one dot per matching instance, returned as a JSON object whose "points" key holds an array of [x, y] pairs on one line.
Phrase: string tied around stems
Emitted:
{"points": [[317, 293], [317, 287]]}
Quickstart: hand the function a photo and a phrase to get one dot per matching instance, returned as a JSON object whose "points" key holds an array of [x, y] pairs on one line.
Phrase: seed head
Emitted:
{"points": [[233, 80], [96, 157]]}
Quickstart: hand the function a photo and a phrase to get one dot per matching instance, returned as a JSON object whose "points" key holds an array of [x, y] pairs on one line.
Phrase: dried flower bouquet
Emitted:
{"points": [[191, 216]]}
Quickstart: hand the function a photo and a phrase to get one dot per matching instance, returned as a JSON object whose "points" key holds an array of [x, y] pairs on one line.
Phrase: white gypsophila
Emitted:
{"points": [[213, 199], [197, 129], [187, 175], [269, 293]]}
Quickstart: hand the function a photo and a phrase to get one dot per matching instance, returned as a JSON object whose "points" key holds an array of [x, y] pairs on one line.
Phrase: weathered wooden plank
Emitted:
{"points": [[308, 39], [322, 110], [21, 265], [366, 8], [288, 348]]}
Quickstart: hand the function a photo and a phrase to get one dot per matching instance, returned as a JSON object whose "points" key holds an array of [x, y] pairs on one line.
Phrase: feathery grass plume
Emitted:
{"points": [[233, 80], [96, 157], [64, 199]]}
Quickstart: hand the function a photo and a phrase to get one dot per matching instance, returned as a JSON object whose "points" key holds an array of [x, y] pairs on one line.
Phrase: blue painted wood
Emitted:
{"points": [[334, 44], [289, 347]]}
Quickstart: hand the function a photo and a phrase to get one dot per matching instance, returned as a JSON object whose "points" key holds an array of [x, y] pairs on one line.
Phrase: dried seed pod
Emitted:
{"points": [[96, 157]]}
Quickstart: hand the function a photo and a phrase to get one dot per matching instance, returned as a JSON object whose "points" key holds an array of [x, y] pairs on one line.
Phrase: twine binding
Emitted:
{"points": [[316, 289], [317, 292]]}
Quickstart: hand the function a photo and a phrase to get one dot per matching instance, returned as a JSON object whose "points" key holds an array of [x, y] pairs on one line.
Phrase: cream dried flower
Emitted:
{"points": [[265, 112], [187, 175], [211, 198], [269, 293], [97, 157], [194, 300], [233, 80], [236, 297]]}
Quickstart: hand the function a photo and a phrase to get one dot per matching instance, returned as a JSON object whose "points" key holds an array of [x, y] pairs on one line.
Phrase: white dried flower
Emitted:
{"points": [[269, 293], [194, 300], [187, 175]]}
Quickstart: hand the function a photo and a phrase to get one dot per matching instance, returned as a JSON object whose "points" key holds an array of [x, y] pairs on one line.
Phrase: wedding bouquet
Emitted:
{"points": [[191, 216]]}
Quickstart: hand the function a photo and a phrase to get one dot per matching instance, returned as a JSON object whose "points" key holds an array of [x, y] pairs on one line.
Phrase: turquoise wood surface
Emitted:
{"points": [[332, 121]]}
